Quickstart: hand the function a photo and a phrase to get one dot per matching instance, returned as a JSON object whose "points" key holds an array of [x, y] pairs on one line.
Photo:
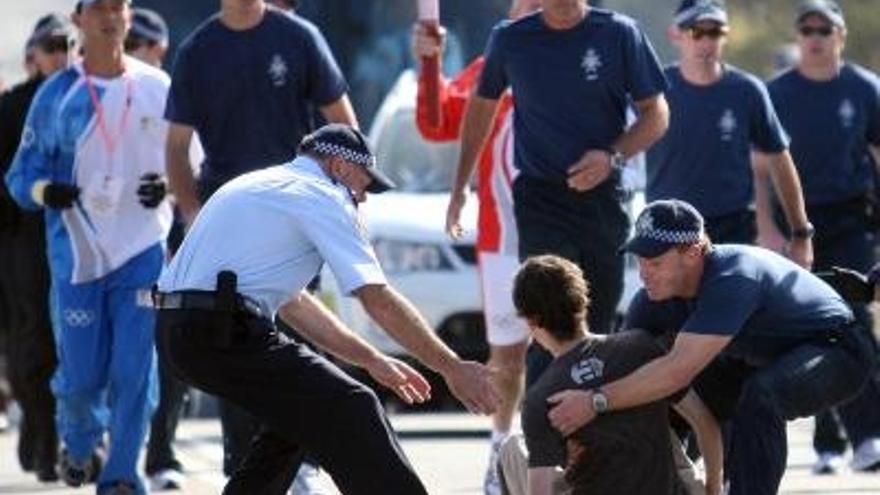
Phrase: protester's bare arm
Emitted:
{"points": [[708, 432], [468, 380], [595, 166], [656, 380], [181, 179], [319, 326], [340, 112], [787, 184], [475, 129]]}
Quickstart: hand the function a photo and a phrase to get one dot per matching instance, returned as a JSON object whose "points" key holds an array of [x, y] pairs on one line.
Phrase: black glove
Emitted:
{"points": [[852, 285], [60, 196], [152, 190]]}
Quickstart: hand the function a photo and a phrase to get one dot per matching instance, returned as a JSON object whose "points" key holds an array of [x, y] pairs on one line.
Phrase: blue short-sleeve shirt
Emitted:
{"points": [[831, 124], [767, 303], [251, 94], [572, 86], [705, 156], [275, 228]]}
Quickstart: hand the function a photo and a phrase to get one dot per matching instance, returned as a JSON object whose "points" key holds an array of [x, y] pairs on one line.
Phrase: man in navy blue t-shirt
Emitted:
{"points": [[574, 70], [719, 114], [746, 303], [248, 80], [831, 110]]}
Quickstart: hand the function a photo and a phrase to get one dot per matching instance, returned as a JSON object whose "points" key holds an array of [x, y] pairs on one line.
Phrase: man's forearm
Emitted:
{"points": [[340, 112], [475, 129], [762, 191], [788, 187], [650, 125], [708, 432], [181, 180], [319, 326], [406, 326]]}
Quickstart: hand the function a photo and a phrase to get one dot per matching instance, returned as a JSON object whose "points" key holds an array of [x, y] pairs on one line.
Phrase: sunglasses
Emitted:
{"points": [[823, 31], [712, 33]]}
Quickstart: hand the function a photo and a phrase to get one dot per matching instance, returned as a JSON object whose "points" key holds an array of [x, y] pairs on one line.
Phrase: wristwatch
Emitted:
{"points": [[805, 232], [617, 159], [599, 401]]}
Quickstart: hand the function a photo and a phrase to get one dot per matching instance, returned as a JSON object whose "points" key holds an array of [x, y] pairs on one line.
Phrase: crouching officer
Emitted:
{"points": [[249, 255]]}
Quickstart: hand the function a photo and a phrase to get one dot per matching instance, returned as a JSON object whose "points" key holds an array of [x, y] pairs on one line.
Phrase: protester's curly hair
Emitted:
{"points": [[551, 293]]}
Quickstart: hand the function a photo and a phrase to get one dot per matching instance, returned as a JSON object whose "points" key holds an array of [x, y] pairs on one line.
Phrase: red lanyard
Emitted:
{"points": [[110, 142]]}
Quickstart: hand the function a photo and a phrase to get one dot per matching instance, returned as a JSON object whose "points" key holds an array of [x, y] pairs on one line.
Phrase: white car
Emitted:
{"points": [[406, 227]]}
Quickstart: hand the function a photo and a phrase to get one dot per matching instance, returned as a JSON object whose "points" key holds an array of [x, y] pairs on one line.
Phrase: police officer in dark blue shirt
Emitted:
{"points": [[574, 70], [719, 114], [806, 350], [831, 110], [248, 80]]}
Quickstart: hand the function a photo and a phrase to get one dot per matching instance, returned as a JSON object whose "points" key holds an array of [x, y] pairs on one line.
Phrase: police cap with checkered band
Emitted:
{"points": [[664, 224], [348, 143]]}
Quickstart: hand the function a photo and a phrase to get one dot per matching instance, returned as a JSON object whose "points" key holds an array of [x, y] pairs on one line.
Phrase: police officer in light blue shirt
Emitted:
{"points": [[249, 256], [719, 114], [831, 110]]}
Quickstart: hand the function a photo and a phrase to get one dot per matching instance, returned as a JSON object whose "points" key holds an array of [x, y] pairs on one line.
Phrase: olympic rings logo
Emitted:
{"points": [[79, 318]]}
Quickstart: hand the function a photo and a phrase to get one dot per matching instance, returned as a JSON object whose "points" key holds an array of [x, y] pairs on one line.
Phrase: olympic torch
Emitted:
{"points": [[429, 17]]}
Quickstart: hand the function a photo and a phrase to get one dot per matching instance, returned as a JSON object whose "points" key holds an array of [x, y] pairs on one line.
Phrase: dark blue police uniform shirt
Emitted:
{"points": [[572, 86], [831, 124], [767, 303], [705, 156], [250, 94]]}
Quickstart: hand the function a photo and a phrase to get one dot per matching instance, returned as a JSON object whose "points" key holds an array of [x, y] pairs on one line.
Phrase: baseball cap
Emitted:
{"points": [[85, 3], [826, 8], [347, 143], [691, 12], [148, 25], [52, 26], [664, 224]]}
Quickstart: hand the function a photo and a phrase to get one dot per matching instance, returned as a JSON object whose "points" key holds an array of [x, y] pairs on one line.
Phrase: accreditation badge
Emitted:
{"points": [[103, 194]]}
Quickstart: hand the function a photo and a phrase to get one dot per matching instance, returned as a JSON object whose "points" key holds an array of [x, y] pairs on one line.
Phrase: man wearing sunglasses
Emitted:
{"points": [[831, 110], [24, 283]]}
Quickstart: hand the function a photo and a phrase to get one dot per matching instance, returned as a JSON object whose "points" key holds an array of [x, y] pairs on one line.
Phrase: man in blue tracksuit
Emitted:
{"points": [[91, 155]]}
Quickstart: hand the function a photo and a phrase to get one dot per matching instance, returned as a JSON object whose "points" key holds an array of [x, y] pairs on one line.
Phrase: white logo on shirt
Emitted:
{"points": [[587, 370], [28, 136], [727, 124], [591, 63], [847, 113], [278, 71]]}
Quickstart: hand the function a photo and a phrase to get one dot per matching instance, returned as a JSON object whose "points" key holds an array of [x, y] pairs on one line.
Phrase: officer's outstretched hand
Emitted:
{"points": [[850, 284], [152, 190], [60, 196], [471, 383], [571, 409], [398, 376]]}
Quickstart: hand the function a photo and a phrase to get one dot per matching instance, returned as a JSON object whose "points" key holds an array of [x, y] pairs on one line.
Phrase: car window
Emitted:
{"points": [[416, 165]]}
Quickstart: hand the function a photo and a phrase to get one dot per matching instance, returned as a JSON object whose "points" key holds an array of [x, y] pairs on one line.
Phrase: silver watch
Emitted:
{"points": [[617, 159], [599, 401]]}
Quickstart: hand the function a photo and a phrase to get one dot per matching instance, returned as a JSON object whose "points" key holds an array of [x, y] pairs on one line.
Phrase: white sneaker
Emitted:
{"points": [[308, 481], [166, 480], [492, 482], [867, 456], [829, 463]]}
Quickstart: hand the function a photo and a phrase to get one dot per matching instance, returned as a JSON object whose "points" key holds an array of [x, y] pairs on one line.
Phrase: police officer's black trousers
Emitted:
{"points": [[304, 402], [31, 347], [587, 228]]}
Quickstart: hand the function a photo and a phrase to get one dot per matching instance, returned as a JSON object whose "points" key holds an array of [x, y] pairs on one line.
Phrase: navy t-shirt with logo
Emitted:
{"points": [[831, 124], [705, 156], [624, 452], [251, 94], [572, 86], [766, 302]]}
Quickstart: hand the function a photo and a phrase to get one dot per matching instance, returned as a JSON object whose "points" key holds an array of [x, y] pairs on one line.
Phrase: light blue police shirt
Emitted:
{"points": [[275, 228]]}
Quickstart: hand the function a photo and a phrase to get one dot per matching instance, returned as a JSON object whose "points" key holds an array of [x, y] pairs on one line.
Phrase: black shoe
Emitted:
{"points": [[47, 473], [73, 474]]}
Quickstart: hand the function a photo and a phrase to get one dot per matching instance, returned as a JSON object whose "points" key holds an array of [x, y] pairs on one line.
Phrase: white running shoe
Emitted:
{"points": [[166, 480], [308, 481], [829, 463], [867, 456]]}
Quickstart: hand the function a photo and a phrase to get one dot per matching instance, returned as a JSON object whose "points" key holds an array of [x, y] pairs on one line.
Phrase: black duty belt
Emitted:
{"points": [[205, 301]]}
